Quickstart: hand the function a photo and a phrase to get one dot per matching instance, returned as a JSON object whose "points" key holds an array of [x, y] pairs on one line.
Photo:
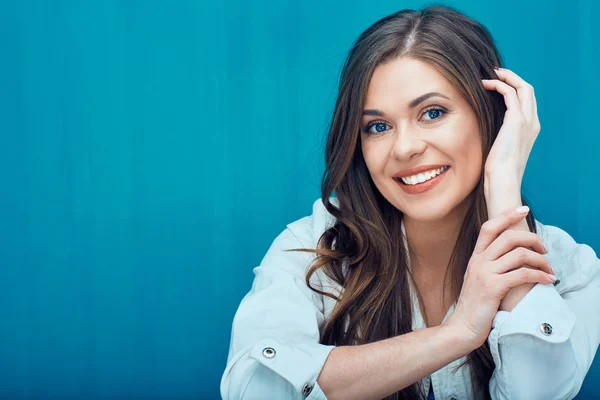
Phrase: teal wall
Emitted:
{"points": [[151, 151]]}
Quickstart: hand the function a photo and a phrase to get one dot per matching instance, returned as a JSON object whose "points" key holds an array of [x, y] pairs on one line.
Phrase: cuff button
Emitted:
{"points": [[268, 352], [546, 329], [306, 389]]}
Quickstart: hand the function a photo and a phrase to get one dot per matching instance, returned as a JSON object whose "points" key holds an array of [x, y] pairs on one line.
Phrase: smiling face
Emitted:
{"points": [[440, 129]]}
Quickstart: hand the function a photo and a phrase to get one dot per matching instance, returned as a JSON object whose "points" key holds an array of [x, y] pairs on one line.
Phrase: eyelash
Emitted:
{"points": [[432, 108]]}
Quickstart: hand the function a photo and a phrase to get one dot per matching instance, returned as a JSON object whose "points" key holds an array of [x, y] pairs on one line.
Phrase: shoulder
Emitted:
{"points": [[309, 229], [288, 268], [302, 233], [576, 264]]}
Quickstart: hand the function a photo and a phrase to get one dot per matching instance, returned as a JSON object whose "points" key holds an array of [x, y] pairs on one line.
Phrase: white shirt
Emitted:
{"points": [[542, 349]]}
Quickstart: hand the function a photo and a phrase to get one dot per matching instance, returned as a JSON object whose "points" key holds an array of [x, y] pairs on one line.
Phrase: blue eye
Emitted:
{"points": [[379, 127], [434, 113]]}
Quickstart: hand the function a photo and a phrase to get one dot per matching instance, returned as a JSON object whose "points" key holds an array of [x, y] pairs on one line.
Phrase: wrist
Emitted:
{"points": [[502, 192], [502, 180], [461, 340]]}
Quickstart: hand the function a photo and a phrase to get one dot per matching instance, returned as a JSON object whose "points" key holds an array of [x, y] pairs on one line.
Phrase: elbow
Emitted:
{"points": [[576, 382], [248, 379], [560, 388], [549, 373], [237, 378]]}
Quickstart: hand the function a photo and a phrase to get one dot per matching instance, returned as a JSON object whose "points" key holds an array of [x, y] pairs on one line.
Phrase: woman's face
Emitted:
{"points": [[399, 132]]}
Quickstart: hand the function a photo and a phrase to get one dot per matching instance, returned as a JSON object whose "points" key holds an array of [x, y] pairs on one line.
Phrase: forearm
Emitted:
{"points": [[376, 370], [503, 193]]}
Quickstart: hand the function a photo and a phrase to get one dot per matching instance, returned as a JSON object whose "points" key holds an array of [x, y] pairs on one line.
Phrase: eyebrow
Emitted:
{"points": [[413, 104]]}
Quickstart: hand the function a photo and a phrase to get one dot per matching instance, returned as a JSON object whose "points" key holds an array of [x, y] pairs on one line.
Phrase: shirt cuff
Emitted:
{"points": [[317, 393], [297, 363], [541, 313]]}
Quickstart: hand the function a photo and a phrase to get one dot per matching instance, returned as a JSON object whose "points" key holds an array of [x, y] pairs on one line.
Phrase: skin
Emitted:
{"points": [[418, 136]]}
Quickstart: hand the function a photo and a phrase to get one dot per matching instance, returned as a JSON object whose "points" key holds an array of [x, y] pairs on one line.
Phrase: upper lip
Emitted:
{"points": [[414, 171]]}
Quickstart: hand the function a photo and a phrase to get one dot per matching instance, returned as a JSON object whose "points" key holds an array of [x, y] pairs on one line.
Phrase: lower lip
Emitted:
{"points": [[422, 187]]}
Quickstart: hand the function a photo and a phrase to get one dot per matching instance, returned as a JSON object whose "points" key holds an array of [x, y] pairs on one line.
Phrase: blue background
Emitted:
{"points": [[150, 152]]}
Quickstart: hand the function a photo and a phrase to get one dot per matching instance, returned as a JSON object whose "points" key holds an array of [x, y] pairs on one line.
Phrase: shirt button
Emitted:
{"points": [[556, 282], [453, 398], [546, 329], [306, 389], [268, 352]]}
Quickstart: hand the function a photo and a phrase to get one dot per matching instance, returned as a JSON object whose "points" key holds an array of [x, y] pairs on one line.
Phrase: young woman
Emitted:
{"points": [[426, 275]]}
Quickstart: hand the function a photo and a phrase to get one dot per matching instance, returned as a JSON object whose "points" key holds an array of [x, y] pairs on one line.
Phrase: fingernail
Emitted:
{"points": [[522, 210], [545, 248], [552, 277]]}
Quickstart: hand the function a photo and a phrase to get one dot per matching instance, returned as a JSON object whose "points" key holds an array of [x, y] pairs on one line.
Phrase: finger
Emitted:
{"points": [[524, 275], [511, 239], [525, 91], [519, 257], [510, 94], [495, 226]]}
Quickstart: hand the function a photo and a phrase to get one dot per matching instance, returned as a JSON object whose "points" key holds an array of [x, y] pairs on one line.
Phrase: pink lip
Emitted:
{"points": [[422, 187]]}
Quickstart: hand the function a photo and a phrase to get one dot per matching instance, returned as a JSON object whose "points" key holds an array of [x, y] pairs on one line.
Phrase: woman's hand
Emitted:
{"points": [[509, 153], [494, 268]]}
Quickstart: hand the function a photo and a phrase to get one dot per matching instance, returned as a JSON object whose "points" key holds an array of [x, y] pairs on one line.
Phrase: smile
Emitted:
{"points": [[422, 182]]}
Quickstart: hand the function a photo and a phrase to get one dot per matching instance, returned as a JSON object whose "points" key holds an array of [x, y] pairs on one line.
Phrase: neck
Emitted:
{"points": [[432, 242]]}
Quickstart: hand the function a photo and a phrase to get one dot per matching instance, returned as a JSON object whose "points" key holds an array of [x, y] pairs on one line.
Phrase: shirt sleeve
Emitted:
{"points": [[545, 346], [274, 350]]}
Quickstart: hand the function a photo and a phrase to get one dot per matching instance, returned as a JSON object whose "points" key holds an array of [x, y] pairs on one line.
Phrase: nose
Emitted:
{"points": [[407, 144]]}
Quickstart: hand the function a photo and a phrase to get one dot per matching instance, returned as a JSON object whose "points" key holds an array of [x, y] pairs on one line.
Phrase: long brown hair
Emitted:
{"points": [[362, 251]]}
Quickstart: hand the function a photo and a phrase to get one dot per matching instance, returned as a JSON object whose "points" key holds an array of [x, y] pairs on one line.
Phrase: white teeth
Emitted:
{"points": [[424, 176]]}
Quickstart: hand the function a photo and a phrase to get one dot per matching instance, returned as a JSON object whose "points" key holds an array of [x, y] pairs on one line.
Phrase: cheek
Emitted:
{"points": [[374, 157], [472, 157], [473, 151]]}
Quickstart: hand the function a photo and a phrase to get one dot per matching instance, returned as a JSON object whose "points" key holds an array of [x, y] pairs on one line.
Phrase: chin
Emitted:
{"points": [[435, 209], [427, 215]]}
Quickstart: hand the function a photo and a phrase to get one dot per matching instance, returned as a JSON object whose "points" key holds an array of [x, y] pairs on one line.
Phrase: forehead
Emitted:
{"points": [[401, 80]]}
